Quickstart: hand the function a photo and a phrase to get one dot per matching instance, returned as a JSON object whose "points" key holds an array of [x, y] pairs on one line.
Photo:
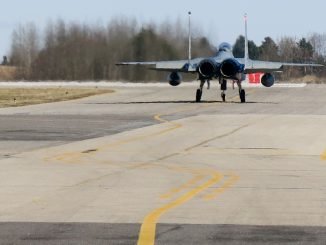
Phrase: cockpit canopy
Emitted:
{"points": [[226, 47]]}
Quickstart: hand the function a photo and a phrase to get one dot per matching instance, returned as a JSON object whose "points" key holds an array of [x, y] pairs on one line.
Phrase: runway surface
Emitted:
{"points": [[147, 164]]}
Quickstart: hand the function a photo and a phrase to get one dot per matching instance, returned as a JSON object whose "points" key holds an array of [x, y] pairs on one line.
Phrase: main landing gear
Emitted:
{"points": [[242, 93], [223, 82], [223, 96], [199, 91]]}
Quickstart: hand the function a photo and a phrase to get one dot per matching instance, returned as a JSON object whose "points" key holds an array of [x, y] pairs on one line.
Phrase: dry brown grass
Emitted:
{"points": [[29, 96], [309, 79], [7, 73]]}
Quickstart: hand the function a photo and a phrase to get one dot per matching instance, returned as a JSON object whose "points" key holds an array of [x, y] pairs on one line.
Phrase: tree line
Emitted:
{"points": [[287, 49], [76, 51]]}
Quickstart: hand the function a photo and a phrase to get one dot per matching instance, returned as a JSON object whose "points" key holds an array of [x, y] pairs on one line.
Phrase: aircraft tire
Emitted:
{"points": [[223, 85], [223, 96], [243, 96], [198, 95]]}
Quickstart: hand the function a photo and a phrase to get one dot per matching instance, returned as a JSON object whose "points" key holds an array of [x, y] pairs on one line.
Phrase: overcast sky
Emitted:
{"points": [[220, 20]]}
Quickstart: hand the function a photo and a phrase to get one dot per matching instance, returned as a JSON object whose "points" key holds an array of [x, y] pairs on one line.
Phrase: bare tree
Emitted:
{"points": [[79, 51], [25, 48]]}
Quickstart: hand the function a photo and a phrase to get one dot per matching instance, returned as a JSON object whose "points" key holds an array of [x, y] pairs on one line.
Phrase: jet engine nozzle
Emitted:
{"points": [[267, 80], [207, 68], [174, 78], [231, 68]]}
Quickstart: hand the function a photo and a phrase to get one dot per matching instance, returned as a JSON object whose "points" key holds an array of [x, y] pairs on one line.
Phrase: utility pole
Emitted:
{"points": [[189, 38], [246, 38]]}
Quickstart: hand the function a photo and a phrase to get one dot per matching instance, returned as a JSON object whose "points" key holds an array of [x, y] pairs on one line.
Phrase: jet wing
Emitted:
{"points": [[253, 66], [173, 65]]}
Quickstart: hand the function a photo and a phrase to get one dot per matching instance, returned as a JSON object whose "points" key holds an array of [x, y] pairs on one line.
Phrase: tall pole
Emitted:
{"points": [[246, 38], [189, 38]]}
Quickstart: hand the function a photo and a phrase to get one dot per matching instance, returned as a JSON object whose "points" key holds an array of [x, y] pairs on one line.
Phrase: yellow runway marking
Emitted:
{"points": [[226, 185], [323, 155], [148, 228], [72, 157], [188, 184], [68, 157], [157, 117]]}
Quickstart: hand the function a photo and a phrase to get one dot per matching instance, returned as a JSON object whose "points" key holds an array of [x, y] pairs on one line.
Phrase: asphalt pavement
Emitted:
{"points": [[148, 165]]}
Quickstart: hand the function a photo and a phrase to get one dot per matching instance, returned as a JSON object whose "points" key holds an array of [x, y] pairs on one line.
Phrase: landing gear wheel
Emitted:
{"points": [[223, 96], [198, 95], [242, 94], [223, 85]]}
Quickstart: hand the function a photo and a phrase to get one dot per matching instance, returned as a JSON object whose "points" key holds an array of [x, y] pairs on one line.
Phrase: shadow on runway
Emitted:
{"points": [[122, 233], [178, 102]]}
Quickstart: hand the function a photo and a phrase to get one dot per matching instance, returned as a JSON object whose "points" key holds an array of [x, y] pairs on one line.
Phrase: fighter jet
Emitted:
{"points": [[223, 67]]}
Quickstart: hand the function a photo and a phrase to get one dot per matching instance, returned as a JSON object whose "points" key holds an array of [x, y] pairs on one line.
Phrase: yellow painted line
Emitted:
{"points": [[148, 228], [182, 187], [72, 157], [68, 157], [323, 155], [198, 175], [157, 117], [173, 126], [227, 184]]}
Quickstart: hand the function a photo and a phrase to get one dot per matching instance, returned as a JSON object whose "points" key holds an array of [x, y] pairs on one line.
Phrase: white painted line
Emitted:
{"points": [[128, 84], [276, 85], [291, 85], [81, 84]]}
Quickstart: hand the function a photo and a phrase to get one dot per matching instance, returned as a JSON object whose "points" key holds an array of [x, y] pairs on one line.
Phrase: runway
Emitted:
{"points": [[148, 165]]}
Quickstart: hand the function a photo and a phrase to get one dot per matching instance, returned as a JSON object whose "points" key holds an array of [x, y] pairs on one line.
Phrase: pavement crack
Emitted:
{"points": [[216, 137], [89, 151]]}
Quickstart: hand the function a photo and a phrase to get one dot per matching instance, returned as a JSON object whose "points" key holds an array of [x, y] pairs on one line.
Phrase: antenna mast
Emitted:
{"points": [[189, 37]]}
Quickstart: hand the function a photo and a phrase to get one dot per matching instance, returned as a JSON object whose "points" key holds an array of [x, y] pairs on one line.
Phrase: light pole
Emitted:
{"points": [[189, 37]]}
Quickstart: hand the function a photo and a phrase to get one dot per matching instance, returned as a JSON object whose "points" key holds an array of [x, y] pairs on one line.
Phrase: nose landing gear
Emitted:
{"points": [[223, 88]]}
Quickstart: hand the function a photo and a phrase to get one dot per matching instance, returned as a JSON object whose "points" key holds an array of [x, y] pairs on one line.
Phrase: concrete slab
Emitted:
{"points": [[202, 165]]}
